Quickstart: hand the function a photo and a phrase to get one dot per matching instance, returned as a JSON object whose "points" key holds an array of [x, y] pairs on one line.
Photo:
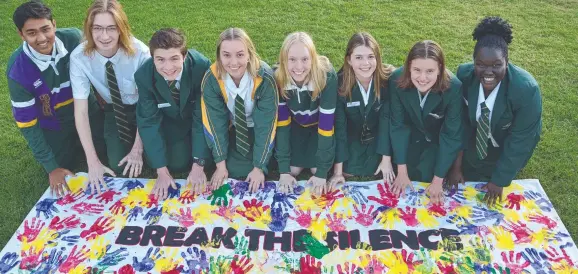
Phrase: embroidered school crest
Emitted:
{"points": [[45, 99]]}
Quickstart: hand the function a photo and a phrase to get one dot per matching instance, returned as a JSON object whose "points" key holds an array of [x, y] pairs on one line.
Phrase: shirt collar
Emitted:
{"points": [[491, 98], [178, 79], [292, 86], [43, 61], [230, 84], [114, 59], [362, 89]]}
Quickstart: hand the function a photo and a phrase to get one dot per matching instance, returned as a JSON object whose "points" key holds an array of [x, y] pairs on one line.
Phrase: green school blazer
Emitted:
{"points": [[160, 120], [515, 124], [432, 136], [216, 115]]}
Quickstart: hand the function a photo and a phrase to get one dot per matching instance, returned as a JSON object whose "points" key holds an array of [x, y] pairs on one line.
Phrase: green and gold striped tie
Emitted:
{"points": [[126, 131], [241, 129], [483, 132], [175, 93]]}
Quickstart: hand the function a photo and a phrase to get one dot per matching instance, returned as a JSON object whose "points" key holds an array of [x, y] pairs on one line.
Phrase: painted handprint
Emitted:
{"points": [[227, 212], [51, 263], [154, 215], [88, 209], [327, 199], [101, 226], [303, 218], [437, 210], [281, 200], [364, 217], [408, 216], [241, 245], [482, 214], [335, 222], [348, 268], [31, 258], [520, 231], [542, 219], [131, 184], [540, 200], [118, 208], [308, 265], [354, 192], [264, 192], [253, 210], [241, 266], [220, 196], [558, 255], [148, 261], [134, 213], [31, 231], [174, 192], [187, 197], [70, 198], [513, 261], [278, 219], [8, 261], [107, 196], [240, 189], [413, 197], [184, 218], [537, 261], [514, 201], [47, 208], [386, 197], [196, 261], [74, 259], [66, 223]]}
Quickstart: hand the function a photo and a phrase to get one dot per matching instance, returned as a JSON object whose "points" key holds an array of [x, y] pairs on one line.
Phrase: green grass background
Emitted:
{"points": [[545, 43]]}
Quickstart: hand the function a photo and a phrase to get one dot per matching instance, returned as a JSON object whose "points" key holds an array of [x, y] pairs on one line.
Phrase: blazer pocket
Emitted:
{"points": [[436, 116], [507, 126]]}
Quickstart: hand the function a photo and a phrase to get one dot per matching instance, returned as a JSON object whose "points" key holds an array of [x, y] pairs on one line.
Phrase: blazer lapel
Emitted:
{"points": [[473, 93], [370, 102], [186, 82], [162, 88], [410, 97], [432, 101], [357, 97], [500, 103]]}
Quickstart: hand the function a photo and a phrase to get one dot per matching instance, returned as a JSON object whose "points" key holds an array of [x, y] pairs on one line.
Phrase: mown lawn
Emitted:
{"points": [[545, 44]]}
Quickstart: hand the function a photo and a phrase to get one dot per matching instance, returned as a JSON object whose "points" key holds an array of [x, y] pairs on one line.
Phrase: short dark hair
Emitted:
{"points": [[493, 32], [30, 10], [426, 49], [167, 39]]}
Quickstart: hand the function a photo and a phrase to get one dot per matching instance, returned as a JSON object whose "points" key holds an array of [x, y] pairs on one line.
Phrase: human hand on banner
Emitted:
{"points": [[8, 261], [197, 179], [454, 178], [435, 191], [335, 180], [241, 266], [493, 194], [162, 184], [57, 180], [318, 185], [400, 184], [286, 183], [256, 179], [133, 161], [96, 171], [220, 175], [386, 169]]}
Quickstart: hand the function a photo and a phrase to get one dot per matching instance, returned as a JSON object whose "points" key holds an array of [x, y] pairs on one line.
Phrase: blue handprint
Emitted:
{"points": [[538, 261], [281, 200], [278, 220], [154, 215], [51, 262], [457, 195], [107, 181], [298, 190], [241, 189], [46, 207], [268, 187], [147, 263], [354, 192], [134, 213], [71, 240], [131, 184], [174, 193], [112, 258], [481, 214], [196, 261], [414, 196], [541, 201], [9, 261]]}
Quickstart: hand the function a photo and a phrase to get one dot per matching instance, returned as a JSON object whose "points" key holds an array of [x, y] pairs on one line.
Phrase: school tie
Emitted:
{"points": [[175, 93], [241, 130], [125, 130], [483, 132]]}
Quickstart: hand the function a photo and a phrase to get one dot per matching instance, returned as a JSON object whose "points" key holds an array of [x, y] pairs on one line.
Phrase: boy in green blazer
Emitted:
{"points": [[169, 110], [503, 110]]}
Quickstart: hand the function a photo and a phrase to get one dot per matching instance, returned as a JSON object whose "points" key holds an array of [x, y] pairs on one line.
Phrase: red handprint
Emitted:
{"points": [[521, 231], [126, 269], [335, 223], [408, 216], [308, 265], [327, 199], [364, 218], [303, 218], [175, 270], [241, 266], [68, 222], [74, 259], [31, 231], [70, 198], [347, 268], [153, 201], [253, 210], [88, 209], [373, 264], [118, 208], [387, 197], [100, 226], [514, 200], [446, 268], [554, 256], [513, 263], [184, 218], [227, 212], [107, 196], [408, 259], [437, 210], [542, 219], [30, 259], [187, 197]]}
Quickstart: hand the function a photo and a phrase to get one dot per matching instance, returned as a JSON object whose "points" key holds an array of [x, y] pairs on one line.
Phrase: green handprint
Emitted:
{"points": [[313, 247], [241, 246], [499, 270], [220, 265], [480, 251], [328, 270], [221, 195], [428, 265], [290, 263]]}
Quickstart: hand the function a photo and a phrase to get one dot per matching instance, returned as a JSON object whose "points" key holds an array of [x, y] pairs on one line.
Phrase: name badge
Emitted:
{"points": [[353, 104], [164, 105]]}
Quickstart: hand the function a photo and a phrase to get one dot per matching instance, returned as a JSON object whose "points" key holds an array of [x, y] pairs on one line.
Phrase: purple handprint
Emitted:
{"points": [[196, 260], [538, 261], [147, 263], [482, 214], [154, 215], [354, 192], [46, 207], [540, 200], [268, 187], [51, 263], [175, 192], [281, 200], [278, 220], [241, 189], [9, 261], [134, 213], [131, 184], [112, 258]]}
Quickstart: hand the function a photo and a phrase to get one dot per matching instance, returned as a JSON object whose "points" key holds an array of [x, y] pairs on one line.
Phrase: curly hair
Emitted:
{"points": [[493, 32]]}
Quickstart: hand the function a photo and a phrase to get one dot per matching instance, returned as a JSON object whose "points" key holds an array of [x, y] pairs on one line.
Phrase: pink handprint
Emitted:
{"points": [[241, 266], [327, 199], [153, 201], [408, 216], [335, 223], [347, 268], [373, 264], [70, 198], [107, 196], [88, 209], [447, 268], [542, 219], [387, 198], [513, 263], [520, 230], [30, 259], [74, 259], [304, 219], [117, 208], [227, 212], [185, 218], [408, 259], [514, 200], [68, 222], [31, 231], [99, 227], [553, 255], [364, 218], [437, 210]]}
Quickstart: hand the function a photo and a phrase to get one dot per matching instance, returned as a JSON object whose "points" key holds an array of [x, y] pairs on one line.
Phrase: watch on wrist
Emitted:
{"points": [[198, 161]]}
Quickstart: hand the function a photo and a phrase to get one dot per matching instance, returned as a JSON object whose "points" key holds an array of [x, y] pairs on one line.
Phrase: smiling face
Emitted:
{"points": [[168, 62], [234, 58], [490, 67], [299, 62], [424, 73], [363, 63], [105, 34], [39, 34]]}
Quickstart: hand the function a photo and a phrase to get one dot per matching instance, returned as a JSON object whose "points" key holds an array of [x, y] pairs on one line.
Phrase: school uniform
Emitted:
{"points": [[240, 122], [306, 128], [112, 80], [362, 129], [42, 102], [515, 123], [426, 131], [169, 114]]}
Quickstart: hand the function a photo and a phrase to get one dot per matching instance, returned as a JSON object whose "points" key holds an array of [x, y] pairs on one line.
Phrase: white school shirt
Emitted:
{"points": [[43, 61], [85, 70], [292, 86], [364, 93], [422, 100], [244, 90], [490, 101]]}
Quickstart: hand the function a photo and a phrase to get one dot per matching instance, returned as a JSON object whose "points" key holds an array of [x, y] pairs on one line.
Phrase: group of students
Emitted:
{"points": [[103, 92]]}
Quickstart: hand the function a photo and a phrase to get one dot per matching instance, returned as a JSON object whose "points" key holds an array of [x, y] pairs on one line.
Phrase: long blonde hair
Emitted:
{"points": [[320, 65], [238, 34], [114, 8], [381, 73]]}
